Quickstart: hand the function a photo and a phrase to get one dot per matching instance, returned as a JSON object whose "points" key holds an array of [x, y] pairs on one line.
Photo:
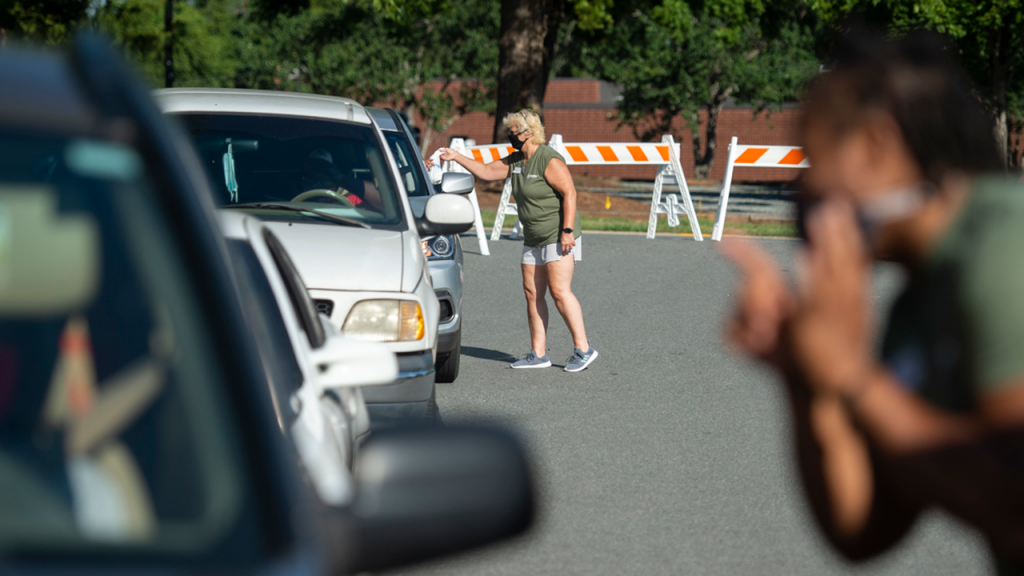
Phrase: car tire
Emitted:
{"points": [[447, 366]]}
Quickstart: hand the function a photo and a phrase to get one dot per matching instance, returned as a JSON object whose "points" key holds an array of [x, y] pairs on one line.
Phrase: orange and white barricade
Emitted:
{"points": [[492, 153], [436, 174], [664, 154], [753, 156]]}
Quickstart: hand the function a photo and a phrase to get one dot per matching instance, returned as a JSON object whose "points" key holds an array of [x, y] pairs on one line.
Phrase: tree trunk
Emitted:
{"points": [[529, 29], [169, 44], [998, 73], [702, 163], [1015, 135]]}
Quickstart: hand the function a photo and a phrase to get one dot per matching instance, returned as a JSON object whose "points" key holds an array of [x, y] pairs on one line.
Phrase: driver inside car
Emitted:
{"points": [[323, 182]]}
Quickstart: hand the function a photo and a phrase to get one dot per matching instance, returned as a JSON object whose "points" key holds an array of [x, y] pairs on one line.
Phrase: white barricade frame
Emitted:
{"points": [[753, 156], [664, 154], [437, 172]]}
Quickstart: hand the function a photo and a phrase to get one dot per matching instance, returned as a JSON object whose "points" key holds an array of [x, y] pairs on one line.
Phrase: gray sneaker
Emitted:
{"points": [[531, 360], [580, 359]]}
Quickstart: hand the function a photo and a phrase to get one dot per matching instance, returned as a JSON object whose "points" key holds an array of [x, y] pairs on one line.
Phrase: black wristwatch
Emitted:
{"points": [[566, 230]]}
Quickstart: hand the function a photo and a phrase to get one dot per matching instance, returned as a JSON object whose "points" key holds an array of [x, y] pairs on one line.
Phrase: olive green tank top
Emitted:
{"points": [[539, 206]]}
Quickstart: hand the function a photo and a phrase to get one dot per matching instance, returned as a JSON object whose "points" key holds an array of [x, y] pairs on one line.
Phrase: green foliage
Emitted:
{"points": [[203, 48], [389, 56], [592, 14], [682, 59], [988, 36], [49, 21]]}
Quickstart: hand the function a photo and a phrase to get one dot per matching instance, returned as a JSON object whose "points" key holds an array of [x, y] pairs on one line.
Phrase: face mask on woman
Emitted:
{"points": [[514, 140]]}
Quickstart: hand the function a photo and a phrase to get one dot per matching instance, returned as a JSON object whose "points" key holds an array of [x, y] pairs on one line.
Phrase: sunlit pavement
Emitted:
{"points": [[668, 455]]}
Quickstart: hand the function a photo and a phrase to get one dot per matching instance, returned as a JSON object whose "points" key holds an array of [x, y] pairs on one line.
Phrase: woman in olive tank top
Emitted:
{"points": [[546, 202]]}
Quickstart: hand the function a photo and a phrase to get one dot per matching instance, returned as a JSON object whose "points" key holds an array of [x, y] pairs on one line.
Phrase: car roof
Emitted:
{"points": [[243, 101], [39, 91], [383, 119]]}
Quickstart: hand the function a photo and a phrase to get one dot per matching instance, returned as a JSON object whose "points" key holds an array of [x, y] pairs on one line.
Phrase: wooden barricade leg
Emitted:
{"points": [[652, 222], [478, 224], [503, 207], [723, 198], [684, 190]]}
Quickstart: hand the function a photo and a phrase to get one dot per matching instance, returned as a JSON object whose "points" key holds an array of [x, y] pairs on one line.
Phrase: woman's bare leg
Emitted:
{"points": [[535, 286], [559, 276]]}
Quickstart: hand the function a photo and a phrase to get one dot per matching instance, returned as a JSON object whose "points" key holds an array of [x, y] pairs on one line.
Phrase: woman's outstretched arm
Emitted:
{"points": [[498, 170]]}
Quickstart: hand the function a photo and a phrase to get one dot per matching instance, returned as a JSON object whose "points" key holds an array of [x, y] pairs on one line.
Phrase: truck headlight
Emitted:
{"points": [[441, 247], [385, 321]]}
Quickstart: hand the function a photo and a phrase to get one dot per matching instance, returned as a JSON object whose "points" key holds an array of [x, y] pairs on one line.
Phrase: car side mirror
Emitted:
{"points": [[457, 183], [426, 493], [446, 214], [342, 362]]}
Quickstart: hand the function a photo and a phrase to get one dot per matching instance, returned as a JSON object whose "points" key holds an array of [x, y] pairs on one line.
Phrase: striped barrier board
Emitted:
{"points": [[752, 156], [664, 154], [770, 157], [615, 153]]}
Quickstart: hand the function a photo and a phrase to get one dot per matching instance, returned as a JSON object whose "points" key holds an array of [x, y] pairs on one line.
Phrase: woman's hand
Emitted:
{"points": [[823, 329], [448, 155], [828, 333], [764, 303], [568, 241]]}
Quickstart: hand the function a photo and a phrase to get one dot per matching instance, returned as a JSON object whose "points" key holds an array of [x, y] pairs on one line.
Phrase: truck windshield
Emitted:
{"points": [[331, 166]]}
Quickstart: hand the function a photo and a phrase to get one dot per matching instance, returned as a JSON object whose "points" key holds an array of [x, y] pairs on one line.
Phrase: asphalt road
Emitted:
{"points": [[669, 455]]}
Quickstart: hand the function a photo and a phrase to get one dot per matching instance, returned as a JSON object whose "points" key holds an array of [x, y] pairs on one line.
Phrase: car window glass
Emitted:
{"points": [[115, 435], [405, 158], [269, 330], [332, 166], [301, 302]]}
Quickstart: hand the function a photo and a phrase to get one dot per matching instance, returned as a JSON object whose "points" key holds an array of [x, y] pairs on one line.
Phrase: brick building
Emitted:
{"points": [[583, 110]]}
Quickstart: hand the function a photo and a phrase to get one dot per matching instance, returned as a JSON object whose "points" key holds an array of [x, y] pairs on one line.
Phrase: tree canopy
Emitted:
{"points": [[987, 35], [683, 60], [678, 62]]}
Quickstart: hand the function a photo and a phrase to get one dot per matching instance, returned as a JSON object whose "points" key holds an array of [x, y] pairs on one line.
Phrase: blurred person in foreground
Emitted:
{"points": [[903, 167]]}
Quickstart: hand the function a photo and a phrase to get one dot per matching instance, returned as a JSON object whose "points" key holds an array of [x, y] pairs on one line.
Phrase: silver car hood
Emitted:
{"points": [[335, 257]]}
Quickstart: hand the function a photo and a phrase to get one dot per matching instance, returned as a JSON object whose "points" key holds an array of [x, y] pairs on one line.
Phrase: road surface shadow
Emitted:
{"points": [[485, 354]]}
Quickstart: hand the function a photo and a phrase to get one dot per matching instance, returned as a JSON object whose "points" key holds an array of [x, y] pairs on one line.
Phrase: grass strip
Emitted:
{"points": [[620, 224]]}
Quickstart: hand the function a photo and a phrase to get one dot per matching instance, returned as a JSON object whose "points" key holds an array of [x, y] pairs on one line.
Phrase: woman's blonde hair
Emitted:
{"points": [[526, 120]]}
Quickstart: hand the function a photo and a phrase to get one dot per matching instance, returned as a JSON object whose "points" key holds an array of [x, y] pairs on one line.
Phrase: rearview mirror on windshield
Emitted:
{"points": [[49, 261], [426, 493]]}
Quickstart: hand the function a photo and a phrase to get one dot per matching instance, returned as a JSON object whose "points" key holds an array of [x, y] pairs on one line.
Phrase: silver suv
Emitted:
{"points": [[318, 171], [445, 257]]}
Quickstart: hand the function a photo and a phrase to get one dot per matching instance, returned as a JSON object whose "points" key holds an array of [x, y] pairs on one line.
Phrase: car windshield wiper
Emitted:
{"points": [[278, 206]]}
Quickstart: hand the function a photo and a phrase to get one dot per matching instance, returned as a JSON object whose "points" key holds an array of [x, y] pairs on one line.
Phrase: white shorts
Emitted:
{"points": [[542, 255]]}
